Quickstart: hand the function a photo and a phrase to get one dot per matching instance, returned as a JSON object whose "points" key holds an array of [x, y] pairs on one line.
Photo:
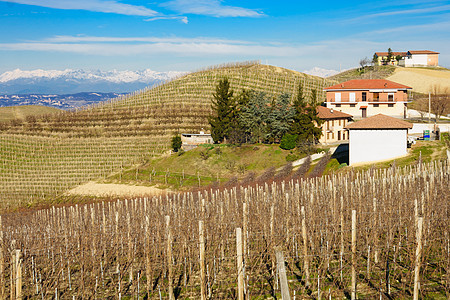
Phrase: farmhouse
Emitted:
{"points": [[333, 126], [363, 98], [411, 58], [191, 140], [377, 138]]}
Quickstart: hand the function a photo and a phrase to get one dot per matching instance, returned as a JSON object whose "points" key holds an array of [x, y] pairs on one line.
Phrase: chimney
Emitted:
{"points": [[342, 85], [385, 84], [331, 110]]}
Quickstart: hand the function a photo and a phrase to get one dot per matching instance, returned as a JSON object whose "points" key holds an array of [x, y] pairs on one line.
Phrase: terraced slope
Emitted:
{"points": [[43, 157]]}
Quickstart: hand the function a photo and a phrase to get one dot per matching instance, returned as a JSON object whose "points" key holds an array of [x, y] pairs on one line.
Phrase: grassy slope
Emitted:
{"points": [[44, 158], [21, 112], [423, 80], [222, 163], [377, 72]]}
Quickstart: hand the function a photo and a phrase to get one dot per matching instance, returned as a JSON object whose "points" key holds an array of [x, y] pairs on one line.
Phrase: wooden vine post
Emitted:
{"points": [[353, 296], [305, 246], [169, 257], [240, 264], [202, 260], [418, 257], [282, 274]]}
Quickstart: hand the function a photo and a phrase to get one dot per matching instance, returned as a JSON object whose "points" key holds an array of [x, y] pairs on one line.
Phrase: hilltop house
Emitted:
{"points": [[333, 126], [377, 138], [363, 98], [411, 58], [192, 140]]}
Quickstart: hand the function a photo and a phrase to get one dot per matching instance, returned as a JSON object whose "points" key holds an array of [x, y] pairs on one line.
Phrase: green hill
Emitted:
{"points": [[44, 156]]}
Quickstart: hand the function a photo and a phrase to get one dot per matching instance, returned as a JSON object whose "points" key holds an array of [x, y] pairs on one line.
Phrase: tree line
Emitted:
{"points": [[256, 117]]}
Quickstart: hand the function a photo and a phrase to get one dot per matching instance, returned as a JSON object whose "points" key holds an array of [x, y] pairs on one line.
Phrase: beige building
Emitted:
{"points": [[411, 58], [192, 140], [333, 127], [363, 98]]}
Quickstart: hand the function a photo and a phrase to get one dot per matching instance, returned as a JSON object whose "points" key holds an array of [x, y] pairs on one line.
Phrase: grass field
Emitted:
{"points": [[21, 112], [423, 80]]}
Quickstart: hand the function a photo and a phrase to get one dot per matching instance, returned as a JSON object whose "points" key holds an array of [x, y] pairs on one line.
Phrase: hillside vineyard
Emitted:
{"points": [[42, 157], [378, 233]]}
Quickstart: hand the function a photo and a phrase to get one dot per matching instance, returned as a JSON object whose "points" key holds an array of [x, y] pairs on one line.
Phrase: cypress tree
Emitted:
{"points": [[223, 105]]}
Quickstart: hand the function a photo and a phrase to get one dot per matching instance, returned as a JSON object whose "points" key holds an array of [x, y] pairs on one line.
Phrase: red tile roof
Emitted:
{"points": [[326, 113], [380, 122], [393, 53], [365, 84], [422, 52]]}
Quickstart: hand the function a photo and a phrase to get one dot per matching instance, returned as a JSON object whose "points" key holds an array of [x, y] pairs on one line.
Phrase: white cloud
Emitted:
{"points": [[101, 39], [181, 18], [210, 8], [105, 6], [183, 49]]}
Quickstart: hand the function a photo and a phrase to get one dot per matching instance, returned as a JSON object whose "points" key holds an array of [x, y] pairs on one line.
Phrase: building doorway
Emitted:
{"points": [[364, 112]]}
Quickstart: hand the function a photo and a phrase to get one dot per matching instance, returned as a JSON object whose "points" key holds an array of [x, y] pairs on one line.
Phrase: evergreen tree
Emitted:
{"points": [[306, 122], [176, 143], [253, 116], [390, 56], [280, 117], [223, 105]]}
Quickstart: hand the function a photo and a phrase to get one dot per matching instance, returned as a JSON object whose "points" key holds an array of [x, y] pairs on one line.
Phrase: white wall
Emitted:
{"points": [[416, 59], [372, 145]]}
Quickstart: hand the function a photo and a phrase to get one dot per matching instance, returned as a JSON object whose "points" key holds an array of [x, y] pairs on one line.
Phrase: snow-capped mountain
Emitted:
{"points": [[316, 71], [75, 81]]}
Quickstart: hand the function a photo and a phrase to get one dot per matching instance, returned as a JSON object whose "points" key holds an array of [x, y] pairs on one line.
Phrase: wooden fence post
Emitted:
{"points": [[202, 261], [418, 257], [282, 274], [353, 296], [169, 257], [240, 264]]}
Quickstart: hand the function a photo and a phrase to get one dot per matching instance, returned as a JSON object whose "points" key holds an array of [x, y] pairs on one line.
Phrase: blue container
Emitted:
{"points": [[426, 135]]}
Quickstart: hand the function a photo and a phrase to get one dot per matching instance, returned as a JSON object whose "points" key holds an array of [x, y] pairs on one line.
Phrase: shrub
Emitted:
{"points": [[176, 143], [288, 141]]}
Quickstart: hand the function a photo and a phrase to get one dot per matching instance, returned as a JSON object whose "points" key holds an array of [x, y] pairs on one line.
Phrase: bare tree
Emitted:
{"points": [[440, 101], [364, 62]]}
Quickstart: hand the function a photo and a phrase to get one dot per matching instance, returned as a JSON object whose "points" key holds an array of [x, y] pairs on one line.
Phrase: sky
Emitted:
{"points": [[188, 35]]}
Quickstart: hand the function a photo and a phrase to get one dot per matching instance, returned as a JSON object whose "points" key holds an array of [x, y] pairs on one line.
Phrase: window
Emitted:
{"points": [[337, 97], [391, 97], [376, 105], [376, 97], [390, 105], [364, 96], [339, 122], [338, 105], [352, 97], [352, 105]]}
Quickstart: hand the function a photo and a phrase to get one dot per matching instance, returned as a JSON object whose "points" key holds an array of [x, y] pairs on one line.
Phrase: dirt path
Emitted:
{"points": [[119, 190]]}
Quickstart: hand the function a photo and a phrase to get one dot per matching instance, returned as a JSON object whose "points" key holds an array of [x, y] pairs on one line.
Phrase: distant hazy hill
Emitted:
{"points": [[76, 81], [65, 101]]}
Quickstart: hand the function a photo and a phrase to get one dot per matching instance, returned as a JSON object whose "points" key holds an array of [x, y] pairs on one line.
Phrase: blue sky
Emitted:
{"points": [[186, 35]]}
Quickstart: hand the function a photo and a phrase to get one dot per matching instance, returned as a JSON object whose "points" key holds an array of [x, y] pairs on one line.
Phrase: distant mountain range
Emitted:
{"points": [[77, 81], [316, 71], [66, 101]]}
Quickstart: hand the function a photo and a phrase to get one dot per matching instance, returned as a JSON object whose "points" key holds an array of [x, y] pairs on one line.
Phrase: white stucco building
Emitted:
{"points": [[377, 138]]}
